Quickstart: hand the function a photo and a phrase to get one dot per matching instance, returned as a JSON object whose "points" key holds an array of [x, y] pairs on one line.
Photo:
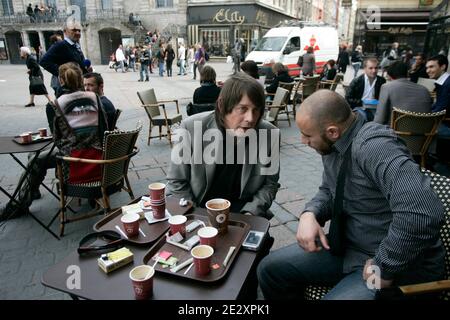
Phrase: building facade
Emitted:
{"points": [[105, 24], [217, 25], [380, 23]]}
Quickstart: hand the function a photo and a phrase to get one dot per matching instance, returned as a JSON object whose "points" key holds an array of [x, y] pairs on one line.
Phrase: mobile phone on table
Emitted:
{"points": [[253, 240]]}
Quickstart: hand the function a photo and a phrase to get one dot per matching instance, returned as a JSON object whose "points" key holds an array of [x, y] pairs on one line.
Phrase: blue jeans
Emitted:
{"points": [[144, 69], [285, 272], [161, 68], [182, 69]]}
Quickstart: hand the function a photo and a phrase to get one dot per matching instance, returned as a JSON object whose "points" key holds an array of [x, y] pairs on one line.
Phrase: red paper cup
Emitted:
{"points": [[202, 259], [178, 224], [131, 224], [159, 211], [42, 132], [157, 191], [208, 236], [142, 280], [26, 137]]}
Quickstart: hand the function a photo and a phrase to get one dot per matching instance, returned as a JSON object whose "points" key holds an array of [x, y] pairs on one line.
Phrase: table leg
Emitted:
{"points": [[21, 181]]}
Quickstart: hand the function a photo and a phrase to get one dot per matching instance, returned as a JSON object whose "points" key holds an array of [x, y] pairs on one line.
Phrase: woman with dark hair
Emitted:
{"points": [[208, 92], [169, 57], [329, 71], [37, 87], [251, 68], [281, 74]]}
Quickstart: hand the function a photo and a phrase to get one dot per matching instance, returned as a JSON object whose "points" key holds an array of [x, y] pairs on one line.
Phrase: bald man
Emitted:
{"points": [[385, 217]]}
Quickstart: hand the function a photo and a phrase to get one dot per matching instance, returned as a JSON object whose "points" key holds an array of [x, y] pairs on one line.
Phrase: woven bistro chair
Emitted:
{"points": [[157, 118], [416, 129], [289, 86], [441, 186], [279, 103], [118, 148]]}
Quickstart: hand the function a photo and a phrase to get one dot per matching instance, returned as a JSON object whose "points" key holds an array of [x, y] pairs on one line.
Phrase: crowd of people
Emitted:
{"points": [[41, 13]]}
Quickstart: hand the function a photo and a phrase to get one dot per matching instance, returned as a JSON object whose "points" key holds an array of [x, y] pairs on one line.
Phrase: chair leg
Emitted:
{"points": [[130, 191], [287, 114], [169, 136], [106, 204], [149, 133], [62, 215], [160, 133]]}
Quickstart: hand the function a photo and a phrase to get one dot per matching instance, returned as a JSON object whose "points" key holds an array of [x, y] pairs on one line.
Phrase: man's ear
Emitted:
{"points": [[333, 132]]}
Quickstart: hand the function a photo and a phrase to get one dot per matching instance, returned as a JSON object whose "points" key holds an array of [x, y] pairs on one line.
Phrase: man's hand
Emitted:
{"points": [[308, 231], [383, 283]]}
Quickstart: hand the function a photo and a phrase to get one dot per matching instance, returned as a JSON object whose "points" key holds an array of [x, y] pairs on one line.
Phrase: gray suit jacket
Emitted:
{"points": [[403, 94], [192, 180]]}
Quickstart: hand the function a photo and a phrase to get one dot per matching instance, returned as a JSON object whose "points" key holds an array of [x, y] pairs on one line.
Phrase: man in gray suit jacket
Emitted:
{"points": [[401, 93], [242, 170]]}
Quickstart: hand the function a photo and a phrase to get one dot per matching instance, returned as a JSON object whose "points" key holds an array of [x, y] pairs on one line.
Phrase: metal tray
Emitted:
{"points": [[152, 231], [18, 139], [237, 230]]}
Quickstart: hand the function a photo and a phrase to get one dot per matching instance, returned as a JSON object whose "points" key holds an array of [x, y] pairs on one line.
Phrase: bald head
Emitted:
{"points": [[325, 107], [322, 119]]}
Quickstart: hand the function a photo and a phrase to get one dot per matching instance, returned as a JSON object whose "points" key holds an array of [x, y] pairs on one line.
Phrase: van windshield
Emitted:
{"points": [[271, 44]]}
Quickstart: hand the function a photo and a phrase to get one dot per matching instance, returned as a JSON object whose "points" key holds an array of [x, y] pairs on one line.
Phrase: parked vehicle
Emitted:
{"points": [[286, 44]]}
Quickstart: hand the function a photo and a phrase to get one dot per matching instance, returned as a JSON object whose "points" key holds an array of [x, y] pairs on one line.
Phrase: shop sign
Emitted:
{"points": [[225, 15], [404, 30]]}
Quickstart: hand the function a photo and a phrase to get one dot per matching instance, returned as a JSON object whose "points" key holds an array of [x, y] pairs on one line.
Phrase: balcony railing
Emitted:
{"points": [[60, 17], [23, 18]]}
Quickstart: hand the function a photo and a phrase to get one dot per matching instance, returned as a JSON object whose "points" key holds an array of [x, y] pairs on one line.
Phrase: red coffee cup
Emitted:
{"points": [[43, 132], [178, 224], [26, 137], [142, 280], [159, 211], [131, 224], [157, 191], [202, 259], [208, 236]]}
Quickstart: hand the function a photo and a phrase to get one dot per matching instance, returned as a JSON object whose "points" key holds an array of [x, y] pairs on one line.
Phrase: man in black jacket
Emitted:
{"points": [[65, 51], [366, 86]]}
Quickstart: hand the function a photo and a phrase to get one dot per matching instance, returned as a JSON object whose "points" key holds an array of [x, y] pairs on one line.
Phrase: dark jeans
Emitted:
{"points": [[195, 70], [250, 289], [285, 272]]}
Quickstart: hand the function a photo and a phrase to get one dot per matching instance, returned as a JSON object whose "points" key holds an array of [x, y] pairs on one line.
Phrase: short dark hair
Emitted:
{"points": [[397, 70], [208, 74], [374, 60], [251, 68], [441, 60], [331, 62], [233, 90], [97, 76]]}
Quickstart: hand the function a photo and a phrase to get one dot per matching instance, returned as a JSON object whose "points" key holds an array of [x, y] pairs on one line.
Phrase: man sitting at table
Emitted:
{"points": [[251, 187], [401, 93], [65, 136], [219, 152], [383, 210], [365, 87]]}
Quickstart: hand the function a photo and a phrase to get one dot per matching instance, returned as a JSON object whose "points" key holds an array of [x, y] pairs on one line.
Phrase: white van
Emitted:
{"points": [[286, 44]]}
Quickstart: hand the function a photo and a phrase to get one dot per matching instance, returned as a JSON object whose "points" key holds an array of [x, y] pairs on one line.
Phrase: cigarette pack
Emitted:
{"points": [[114, 260]]}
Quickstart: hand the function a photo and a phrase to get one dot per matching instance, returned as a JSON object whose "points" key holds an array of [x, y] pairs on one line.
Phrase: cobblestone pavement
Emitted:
{"points": [[27, 250]]}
